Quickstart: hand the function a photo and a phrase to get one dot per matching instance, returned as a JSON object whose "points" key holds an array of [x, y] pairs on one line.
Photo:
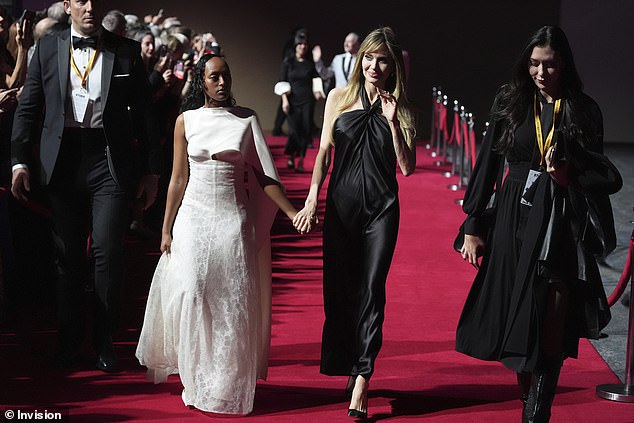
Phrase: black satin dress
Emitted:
{"points": [[360, 230]]}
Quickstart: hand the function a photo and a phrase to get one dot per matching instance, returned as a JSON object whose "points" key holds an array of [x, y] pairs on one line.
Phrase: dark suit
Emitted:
{"points": [[87, 172]]}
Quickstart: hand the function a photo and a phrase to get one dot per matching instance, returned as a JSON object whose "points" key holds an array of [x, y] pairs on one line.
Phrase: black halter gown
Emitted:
{"points": [[360, 230]]}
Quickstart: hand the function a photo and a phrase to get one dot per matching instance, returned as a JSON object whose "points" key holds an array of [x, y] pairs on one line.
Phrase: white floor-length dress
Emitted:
{"points": [[207, 316]]}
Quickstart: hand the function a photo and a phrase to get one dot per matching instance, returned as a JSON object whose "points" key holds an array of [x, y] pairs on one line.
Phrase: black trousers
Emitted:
{"points": [[300, 125], [89, 208]]}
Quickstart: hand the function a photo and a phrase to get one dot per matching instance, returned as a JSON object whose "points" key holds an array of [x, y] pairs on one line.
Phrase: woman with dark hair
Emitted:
{"points": [[370, 125], [298, 69], [538, 288], [207, 316]]}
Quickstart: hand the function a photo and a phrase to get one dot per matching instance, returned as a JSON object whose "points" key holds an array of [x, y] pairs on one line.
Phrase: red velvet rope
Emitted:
{"points": [[625, 276], [443, 120], [455, 130], [465, 134]]}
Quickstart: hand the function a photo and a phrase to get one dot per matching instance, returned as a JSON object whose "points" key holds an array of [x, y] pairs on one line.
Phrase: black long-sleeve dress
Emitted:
{"points": [[302, 103], [360, 230], [557, 238]]}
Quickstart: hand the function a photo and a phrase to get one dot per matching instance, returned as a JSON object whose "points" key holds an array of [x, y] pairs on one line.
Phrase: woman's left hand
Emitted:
{"points": [[389, 104], [559, 170]]}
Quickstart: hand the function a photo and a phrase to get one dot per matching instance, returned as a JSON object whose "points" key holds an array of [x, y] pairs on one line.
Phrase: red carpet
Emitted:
{"points": [[418, 376]]}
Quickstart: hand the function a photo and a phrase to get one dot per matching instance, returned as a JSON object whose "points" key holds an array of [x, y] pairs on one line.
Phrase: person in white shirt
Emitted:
{"points": [[342, 64]]}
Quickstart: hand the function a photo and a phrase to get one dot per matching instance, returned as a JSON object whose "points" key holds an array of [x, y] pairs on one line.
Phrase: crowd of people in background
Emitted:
{"points": [[169, 50]]}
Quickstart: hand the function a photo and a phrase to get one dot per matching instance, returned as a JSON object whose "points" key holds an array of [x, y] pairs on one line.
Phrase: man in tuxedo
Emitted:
{"points": [[342, 64], [86, 92]]}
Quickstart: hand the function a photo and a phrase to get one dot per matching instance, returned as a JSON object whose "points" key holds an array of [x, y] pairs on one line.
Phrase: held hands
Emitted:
{"points": [[558, 171], [472, 249], [306, 219]]}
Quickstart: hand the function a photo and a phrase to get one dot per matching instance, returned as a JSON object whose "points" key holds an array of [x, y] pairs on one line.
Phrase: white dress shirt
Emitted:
{"points": [[92, 117]]}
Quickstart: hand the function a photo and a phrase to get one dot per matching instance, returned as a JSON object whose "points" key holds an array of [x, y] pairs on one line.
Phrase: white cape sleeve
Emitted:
{"points": [[262, 211]]}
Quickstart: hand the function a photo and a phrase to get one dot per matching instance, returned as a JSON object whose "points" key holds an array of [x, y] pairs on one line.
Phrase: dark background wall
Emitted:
{"points": [[467, 47], [602, 37]]}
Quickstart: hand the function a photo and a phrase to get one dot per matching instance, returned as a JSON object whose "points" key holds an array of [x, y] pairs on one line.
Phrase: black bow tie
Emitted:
{"points": [[80, 42]]}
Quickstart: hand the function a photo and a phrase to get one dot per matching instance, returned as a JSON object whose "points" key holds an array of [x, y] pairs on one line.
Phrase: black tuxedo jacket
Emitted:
{"points": [[124, 94]]}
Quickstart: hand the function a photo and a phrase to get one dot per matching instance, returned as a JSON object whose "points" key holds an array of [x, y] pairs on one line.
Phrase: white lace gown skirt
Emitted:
{"points": [[202, 314]]}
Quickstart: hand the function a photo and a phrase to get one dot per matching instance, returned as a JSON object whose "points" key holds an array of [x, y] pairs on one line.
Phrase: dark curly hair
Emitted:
{"points": [[196, 97]]}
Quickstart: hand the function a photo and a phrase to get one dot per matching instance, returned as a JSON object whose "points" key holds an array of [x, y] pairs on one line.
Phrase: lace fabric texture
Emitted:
{"points": [[207, 316]]}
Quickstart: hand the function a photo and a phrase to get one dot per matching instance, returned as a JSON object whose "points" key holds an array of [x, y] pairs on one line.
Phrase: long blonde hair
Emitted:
{"points": [[380, 37]]}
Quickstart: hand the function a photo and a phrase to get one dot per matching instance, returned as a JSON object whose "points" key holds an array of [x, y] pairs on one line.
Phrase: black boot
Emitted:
{"points": [[524, 382], [542, 393]]}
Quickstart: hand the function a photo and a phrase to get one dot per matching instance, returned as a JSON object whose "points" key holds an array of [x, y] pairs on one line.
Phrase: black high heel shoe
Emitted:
{"points": [[353, 412], [357, 414]]}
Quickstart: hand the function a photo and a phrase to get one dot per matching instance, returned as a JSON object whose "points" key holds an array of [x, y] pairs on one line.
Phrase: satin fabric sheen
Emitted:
{"points": [[360, 231]]}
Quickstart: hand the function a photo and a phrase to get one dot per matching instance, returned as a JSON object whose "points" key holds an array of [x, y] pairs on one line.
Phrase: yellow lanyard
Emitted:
{"points": [[544, 146], [91, 63]]}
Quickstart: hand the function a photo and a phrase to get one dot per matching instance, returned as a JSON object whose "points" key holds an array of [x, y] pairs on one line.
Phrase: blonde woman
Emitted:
{"points": [[369, 125]]}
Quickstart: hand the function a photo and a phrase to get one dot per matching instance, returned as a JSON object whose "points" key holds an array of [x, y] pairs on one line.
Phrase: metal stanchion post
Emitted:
{"points": [[436, 126], [454, 143], [624, 392], [461, 150], [433, 119], [441, 134], [470, 125]]}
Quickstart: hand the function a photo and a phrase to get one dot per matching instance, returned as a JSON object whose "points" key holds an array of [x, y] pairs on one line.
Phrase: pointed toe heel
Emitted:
{"points": [[357, 414]]}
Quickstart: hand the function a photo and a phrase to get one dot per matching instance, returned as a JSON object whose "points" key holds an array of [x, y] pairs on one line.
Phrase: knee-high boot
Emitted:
{"points": [[524, 383], [542, 392]]}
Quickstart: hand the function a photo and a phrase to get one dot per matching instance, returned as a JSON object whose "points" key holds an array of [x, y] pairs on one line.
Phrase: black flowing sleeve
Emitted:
{"points": [[483, 179], [593, 179]]}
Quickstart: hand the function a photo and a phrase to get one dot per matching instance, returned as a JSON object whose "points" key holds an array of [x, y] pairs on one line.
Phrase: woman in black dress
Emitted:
{"points": [[298, 69], [370, 126], [538, 289]]}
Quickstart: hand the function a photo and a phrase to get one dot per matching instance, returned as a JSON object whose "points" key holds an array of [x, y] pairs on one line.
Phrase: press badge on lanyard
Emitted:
{"points": [[543, 147], [530, 180], [80, 103], [80, 95]]}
